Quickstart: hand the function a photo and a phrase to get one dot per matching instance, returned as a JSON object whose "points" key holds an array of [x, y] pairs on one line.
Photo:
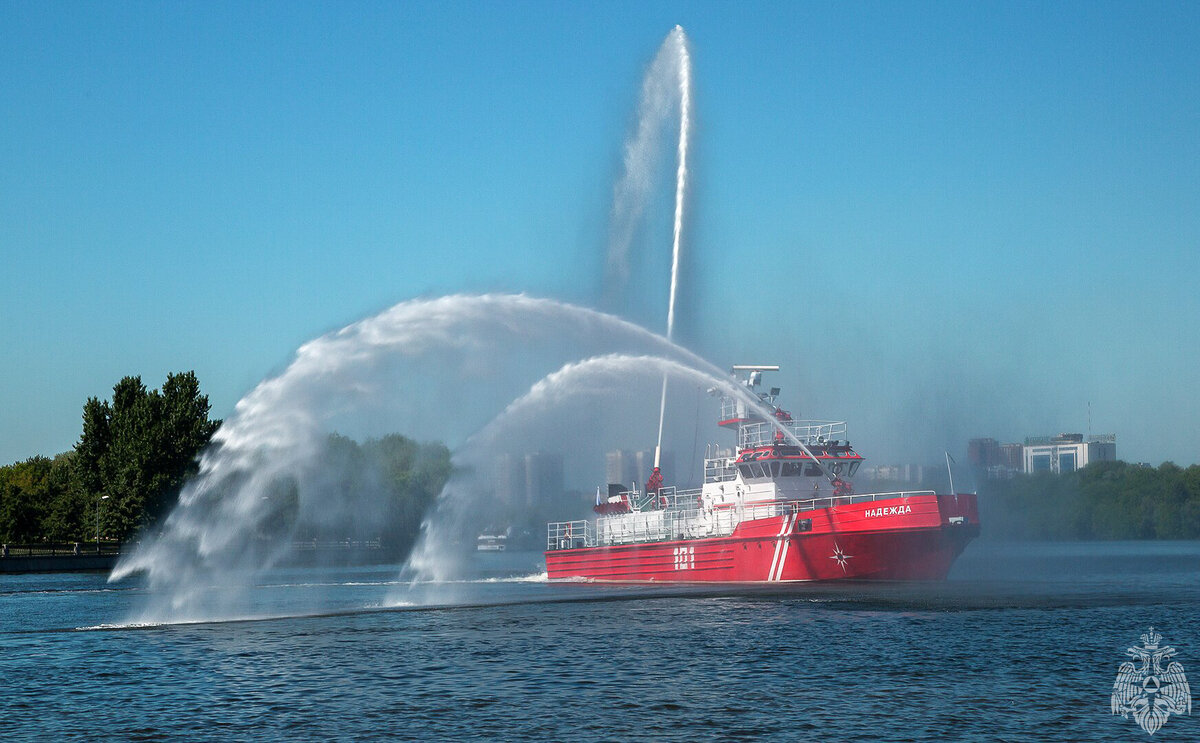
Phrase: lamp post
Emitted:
{"points": [[102, 499]]}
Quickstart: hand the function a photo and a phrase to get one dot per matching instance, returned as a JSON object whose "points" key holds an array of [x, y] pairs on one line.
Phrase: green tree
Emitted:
{"points": [[380, 489], [139, 449], [21, 505], [413, 474], [35, 500], [1105, 500], [65, 518]]}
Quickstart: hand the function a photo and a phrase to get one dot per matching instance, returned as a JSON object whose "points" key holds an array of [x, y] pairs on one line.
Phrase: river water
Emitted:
{"points": [[1022, 643]]}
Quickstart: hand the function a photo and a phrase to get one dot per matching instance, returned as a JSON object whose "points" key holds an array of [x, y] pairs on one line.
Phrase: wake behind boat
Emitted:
{"points": [[777, 507]]}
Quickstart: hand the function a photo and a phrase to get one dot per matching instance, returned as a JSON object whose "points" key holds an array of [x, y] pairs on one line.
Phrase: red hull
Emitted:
{"points": [[905, 538]]}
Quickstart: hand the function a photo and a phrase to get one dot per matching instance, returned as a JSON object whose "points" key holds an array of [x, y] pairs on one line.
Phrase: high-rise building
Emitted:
{"points": [[983, 453], [508, 477], [543, 478], [528, 480], [620, 466], [1011, 456]]}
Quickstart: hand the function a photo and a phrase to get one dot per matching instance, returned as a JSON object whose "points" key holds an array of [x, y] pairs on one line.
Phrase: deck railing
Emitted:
{"points": [[809, 432], [565, 535], [679, 517]]}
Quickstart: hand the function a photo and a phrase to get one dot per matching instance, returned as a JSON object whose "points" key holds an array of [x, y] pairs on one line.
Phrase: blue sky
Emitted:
{"points": [[954, 219]]}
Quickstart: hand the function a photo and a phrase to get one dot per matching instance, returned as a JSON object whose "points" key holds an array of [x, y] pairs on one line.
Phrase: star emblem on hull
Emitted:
{"points": [[840, 556]]}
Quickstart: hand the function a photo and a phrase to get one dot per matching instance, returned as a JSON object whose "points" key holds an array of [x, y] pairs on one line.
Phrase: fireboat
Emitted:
{"points": [[778, 507]]}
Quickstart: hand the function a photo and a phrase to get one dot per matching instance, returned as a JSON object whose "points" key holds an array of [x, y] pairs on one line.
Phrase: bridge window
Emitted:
{"points": [[793, 469], [751, 470], [755, 470]]}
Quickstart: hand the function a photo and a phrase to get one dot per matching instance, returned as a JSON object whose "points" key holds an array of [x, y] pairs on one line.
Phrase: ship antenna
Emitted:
{"points": [[950, 472]]}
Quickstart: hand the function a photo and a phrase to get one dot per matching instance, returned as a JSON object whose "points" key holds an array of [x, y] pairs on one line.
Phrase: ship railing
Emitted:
{"points": [[667, 497], [732, 408], [764, 433], [722, 522], [639, 526], [675, 499], [682, 523], [837, 500], [682, 518], [565, 535], [692, 522], [640, 501], [720, 468]]}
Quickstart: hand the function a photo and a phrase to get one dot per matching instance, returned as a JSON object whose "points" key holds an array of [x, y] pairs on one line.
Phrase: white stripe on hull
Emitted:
{"points": [[787, 543], [781, 543]]}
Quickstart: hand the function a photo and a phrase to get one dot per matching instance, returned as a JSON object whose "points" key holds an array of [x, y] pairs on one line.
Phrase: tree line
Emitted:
{"points": [[124, 473], [137, 450], [1103, 501], [378, 490]]}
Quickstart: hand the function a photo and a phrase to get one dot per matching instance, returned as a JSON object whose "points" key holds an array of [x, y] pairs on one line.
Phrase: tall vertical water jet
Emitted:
{"points": [[665, 91], [685, 105], [665, 88], [685, 102]]}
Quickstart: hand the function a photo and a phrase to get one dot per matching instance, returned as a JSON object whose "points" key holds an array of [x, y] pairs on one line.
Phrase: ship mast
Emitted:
{"points": [[752, 380]]}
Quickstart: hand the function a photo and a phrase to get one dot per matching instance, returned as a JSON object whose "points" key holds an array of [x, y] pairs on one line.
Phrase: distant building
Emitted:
{"points": [[528, 480], [543, 478], [913, 473], [1066, 452], [508, 477], [1011, 457], [621, 466], [994, 460], [983, 453]]}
